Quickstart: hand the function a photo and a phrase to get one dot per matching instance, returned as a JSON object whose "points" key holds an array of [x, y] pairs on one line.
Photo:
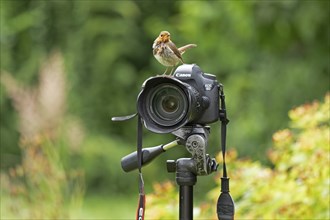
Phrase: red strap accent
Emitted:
{"points": [[141, 208]]}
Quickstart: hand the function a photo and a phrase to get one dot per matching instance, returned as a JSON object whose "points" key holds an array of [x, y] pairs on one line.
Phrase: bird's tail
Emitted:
{"points": [[184, 48]]}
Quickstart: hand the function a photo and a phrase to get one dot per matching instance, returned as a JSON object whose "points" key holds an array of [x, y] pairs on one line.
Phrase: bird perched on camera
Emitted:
{"points": [[166, 52]]}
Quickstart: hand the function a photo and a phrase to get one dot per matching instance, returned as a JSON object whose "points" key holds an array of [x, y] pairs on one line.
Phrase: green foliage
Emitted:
{"points": [[99, 157], [163, 203], [41, 188], [296, 187]]}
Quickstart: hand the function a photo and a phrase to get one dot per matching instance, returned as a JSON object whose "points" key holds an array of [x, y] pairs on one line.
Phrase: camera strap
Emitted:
{"points": [[141, 205], [142, 199], [225, 205]]}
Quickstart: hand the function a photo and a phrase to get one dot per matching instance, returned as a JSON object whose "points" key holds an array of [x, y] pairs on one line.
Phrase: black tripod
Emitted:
{"points": [[186, 179], [186, 169]]}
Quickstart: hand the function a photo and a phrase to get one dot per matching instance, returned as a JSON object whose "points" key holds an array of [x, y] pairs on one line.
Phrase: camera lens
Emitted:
{"points": [[167, 104]]}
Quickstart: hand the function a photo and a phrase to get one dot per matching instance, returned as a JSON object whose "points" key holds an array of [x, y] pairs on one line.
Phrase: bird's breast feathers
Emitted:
{"points": [[165, 55]]}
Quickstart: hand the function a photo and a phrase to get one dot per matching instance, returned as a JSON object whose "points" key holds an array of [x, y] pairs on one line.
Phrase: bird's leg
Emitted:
{"points": [[171, 71], [165, 71]]}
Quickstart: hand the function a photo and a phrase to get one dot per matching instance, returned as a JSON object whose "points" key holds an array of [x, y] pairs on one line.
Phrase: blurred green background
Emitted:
{"points": [[68, 66]]}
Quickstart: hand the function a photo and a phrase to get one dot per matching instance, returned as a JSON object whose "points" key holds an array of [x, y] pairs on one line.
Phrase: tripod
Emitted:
{"points": [[186, 179], [186, 169]]}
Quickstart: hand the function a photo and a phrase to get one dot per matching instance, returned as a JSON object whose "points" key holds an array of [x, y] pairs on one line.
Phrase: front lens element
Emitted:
{"points": [[170, 103], [167, 104]]}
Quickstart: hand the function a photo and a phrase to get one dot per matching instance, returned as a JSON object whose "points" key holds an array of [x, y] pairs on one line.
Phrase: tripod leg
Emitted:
{"points": [[186, 203]]}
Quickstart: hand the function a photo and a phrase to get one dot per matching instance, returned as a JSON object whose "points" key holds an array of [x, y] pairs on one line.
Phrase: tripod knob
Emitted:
{"points": [[212, 165], [171, 166]]}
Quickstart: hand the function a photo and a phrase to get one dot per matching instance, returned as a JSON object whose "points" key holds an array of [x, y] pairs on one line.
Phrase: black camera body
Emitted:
{"points": [[190, 97], [207, 91]]}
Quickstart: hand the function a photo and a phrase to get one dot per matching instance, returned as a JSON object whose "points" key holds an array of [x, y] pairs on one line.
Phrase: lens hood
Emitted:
{"points": [[157, 89]]}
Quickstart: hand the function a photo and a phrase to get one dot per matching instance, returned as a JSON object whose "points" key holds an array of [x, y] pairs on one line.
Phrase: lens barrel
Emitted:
{"points": [[166, 104]]}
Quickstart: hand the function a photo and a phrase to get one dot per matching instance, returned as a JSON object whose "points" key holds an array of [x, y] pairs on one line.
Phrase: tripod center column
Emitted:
{"points": [[186, 179]]}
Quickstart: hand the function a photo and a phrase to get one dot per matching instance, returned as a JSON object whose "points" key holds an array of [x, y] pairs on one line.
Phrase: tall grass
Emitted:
{"points": [[42, 186]]}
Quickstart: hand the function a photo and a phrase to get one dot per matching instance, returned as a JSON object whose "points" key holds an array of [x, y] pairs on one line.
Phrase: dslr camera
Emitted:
{"points": [[190, 97]]}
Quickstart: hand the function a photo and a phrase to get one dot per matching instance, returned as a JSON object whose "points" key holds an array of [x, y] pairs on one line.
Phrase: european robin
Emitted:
{"points": [[166, 52]]}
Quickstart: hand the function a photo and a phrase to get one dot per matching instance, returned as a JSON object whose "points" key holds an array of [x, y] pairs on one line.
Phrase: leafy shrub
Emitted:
{"points": [[295, 187]]}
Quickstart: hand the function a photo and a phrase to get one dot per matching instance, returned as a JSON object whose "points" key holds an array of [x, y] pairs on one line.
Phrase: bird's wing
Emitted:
{"points": [[155, 44], [155, 47], [154, 50], [184, 48], [175, 50]]}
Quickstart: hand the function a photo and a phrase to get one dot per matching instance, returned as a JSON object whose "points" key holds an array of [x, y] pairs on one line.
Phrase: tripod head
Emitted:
{"points": [[194, 138]]}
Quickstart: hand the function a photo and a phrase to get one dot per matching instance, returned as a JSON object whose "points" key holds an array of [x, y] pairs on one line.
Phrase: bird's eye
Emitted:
{"points": [[161, 35]]}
